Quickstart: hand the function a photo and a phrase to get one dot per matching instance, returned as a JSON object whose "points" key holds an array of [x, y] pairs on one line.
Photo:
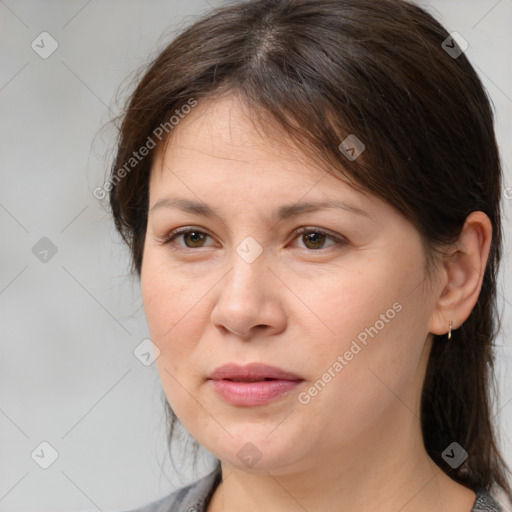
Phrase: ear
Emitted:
{"points": [[462, 274]]}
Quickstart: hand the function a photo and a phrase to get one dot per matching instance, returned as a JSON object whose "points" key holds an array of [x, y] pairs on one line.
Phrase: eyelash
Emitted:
{"points": [[180, 231]]}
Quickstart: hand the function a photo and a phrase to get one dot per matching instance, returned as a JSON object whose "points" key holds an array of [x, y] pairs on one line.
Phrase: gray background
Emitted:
{"points": [[69, 325]]}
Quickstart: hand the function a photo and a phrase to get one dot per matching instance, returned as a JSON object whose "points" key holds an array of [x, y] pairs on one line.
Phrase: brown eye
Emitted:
{"points": [[314, 239], [196, 238], [192, 238]]}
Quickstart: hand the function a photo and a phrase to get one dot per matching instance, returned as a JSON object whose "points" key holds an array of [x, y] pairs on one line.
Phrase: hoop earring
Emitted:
{"points": [[450, 331]]}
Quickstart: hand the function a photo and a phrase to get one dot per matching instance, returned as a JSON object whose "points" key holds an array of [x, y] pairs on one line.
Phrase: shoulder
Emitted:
{"points": [[191, 498], [485, 502]]}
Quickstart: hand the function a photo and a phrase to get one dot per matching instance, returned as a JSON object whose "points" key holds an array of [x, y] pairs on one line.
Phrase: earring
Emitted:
{"points": [[450, 331]]}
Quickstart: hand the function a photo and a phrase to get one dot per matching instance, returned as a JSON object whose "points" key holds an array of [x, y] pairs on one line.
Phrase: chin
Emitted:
{"points": [[257, 453]]}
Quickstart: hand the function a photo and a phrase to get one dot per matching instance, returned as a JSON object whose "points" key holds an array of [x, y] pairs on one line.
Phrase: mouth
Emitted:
{"points": [[252, 385]]}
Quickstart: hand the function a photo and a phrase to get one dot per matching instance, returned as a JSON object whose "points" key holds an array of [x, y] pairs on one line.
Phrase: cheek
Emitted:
{"points": [[377, 323], [166, 295], [164, 306], [171, 311], [176, 312], [348, 307]]}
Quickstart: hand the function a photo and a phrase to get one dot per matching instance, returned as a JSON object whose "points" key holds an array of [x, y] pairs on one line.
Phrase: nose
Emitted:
{"points": [[249, 300]]}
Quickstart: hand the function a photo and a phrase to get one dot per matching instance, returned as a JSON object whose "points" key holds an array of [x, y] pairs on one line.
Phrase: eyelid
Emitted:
{"points": [[340, 240], [169, 239]]}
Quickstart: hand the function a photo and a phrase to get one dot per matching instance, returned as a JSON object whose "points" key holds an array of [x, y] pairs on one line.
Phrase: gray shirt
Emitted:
{"points": [[196, 496]]}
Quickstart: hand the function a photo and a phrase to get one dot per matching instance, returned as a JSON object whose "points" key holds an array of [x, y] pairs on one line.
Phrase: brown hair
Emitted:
{"points": [[325, 69]]}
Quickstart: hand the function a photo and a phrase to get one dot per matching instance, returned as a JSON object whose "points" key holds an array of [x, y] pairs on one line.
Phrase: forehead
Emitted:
{"points": [[222, 134]]}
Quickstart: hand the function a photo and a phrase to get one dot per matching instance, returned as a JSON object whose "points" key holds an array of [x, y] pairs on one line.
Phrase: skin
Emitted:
{"points": [[357, 444]]}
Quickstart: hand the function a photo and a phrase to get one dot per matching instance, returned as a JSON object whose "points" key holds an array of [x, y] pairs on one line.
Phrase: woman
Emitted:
{"points": [[310, 193]]}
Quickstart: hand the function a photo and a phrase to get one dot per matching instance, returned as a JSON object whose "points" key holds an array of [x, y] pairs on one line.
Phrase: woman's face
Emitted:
{"points": [[345, 314]]}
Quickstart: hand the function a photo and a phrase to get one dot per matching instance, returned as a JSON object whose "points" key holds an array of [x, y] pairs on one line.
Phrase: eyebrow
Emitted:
{"points": [[282, 213]]}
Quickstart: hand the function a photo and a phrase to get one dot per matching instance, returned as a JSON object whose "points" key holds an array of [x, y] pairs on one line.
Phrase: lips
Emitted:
{"points": [[252, 385], [254, 372]]}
